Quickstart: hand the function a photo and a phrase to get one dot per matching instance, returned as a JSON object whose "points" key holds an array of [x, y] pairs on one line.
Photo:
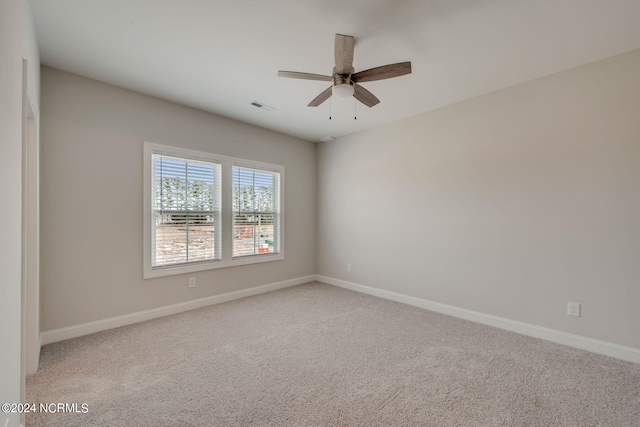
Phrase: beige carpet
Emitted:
{"points": [[317, 355]]}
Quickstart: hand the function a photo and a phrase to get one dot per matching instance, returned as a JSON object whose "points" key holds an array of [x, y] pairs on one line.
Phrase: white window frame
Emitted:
{"points": [[226, 205]]}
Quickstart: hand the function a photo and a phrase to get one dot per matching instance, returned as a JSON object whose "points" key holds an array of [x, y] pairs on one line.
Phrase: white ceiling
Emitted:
{"points": [[219, 55]]}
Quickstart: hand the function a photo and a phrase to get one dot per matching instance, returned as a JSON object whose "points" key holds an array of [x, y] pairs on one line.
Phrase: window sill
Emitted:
{"points": [[150, 272]]}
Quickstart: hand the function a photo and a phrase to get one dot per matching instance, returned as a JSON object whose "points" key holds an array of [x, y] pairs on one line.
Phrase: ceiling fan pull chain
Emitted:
{"points": [[355, 115], [329, 108]]}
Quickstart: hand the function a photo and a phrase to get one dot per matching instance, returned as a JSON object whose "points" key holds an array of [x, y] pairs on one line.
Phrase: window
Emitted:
{"points": [[256, 213], [190, 226], [186, 210]]}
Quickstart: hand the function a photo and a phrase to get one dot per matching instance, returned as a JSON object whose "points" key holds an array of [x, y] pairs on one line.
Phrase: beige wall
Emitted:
{"points": [[91, 204], [509, 204], [17, 41]]}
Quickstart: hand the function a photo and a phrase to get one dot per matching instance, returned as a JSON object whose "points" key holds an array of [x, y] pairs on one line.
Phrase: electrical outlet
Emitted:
{"points": [[573, 309], [349, 268], [192, 282]]}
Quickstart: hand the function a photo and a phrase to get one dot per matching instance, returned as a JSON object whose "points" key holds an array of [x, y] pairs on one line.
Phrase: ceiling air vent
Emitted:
{"points": [[261, 105]]}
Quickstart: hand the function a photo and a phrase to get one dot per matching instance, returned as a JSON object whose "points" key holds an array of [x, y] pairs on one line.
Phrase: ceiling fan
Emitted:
{"points": [[345, 82]]}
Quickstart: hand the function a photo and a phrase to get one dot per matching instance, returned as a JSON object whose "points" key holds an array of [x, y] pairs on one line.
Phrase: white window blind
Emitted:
{"points": [[185, 211], [256, 211]]}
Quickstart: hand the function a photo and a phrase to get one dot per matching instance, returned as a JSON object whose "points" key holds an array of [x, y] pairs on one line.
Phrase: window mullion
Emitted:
{"points": [[226, 232], [186, 208]]}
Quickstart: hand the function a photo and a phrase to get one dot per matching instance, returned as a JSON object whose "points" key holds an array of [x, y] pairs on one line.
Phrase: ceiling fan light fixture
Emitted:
{"points": [[344, 90]]}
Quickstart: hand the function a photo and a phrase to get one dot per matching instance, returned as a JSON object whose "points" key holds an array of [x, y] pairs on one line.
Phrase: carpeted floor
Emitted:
{"points": [[318, 355]]}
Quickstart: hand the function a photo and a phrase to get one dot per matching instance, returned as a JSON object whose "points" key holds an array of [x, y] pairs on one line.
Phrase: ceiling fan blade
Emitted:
{"points": [[343, 51], [364, 96], [383, 72], [326, 94], [304, 76]]}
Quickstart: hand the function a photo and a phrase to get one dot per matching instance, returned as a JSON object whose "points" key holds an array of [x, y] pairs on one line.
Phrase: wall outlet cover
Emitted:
{"points": [[573, 309]]}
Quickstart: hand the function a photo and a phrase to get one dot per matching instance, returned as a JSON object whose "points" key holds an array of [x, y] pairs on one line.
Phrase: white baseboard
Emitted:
{"points": [[572, 340], [596, 346], [66, 333]]}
